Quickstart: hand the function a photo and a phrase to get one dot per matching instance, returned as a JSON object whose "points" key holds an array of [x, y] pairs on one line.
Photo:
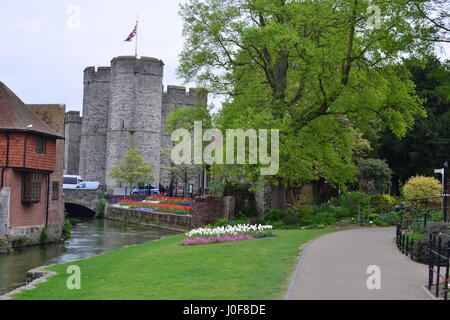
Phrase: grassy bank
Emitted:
{"points": [[164, 270]]}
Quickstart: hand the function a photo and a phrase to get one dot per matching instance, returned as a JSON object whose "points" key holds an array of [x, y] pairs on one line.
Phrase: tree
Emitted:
{"points": [[374, 176], [315, 70], [422, 187], [426, 147], [133, 170], [437, 18]]}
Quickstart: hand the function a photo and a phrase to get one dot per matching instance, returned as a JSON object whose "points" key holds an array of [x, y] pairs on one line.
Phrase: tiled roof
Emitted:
{"points": [[16, 116]]}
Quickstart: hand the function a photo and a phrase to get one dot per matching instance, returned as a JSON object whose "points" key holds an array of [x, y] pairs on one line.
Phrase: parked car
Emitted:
{"points": [[88, 185], [147, 189], [71, 182]]}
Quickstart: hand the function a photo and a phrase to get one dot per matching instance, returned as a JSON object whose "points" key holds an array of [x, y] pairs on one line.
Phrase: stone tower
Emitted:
{"points": [[72, 146], [125, 106], [95, 123], [135, 111]]}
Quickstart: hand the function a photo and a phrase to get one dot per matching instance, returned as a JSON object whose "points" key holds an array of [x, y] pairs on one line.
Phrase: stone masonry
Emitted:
{"points": [[125, 106], [72, 145]]}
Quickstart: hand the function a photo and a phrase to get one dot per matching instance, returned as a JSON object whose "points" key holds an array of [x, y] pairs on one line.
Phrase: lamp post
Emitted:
{"points": [[445, 193], [442, 173]]}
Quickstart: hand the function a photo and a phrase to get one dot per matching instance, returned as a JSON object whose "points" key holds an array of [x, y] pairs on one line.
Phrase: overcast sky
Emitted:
{"points": [[44, 52]]}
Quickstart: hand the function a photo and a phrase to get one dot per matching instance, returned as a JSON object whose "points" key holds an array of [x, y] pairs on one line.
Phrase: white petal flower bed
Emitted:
{"points": [[227, 234]]}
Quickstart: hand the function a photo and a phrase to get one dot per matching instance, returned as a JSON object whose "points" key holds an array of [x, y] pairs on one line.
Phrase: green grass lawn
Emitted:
{"points": [[165, 270]]}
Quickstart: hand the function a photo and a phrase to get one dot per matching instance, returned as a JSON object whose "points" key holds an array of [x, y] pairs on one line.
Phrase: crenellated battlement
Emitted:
{"points": [[72, 117], [97, 74], [124, 105], [180, 90]]}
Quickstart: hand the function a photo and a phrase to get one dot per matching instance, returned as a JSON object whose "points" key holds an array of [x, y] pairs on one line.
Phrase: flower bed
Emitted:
{"points": [[173, 208], [171, 199], [227, 234]]}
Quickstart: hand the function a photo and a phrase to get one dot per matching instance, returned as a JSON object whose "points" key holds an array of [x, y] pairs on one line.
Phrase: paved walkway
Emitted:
{"points": [[334, 267]]}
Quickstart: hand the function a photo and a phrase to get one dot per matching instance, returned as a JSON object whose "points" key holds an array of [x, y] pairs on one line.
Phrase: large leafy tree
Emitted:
{"points": [[315, 70]]}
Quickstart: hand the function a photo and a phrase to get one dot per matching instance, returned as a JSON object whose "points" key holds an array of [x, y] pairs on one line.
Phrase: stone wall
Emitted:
{"points": [[208, 210], [152, 219], [178, 96], [269, 198], [4, 210]]}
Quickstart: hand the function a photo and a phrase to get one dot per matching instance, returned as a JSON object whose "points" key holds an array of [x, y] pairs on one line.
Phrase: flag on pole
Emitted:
{"points": [[132, 34]]}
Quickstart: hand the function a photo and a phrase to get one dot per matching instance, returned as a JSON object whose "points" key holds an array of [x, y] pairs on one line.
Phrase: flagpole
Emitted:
{"points": [[137, 33]]}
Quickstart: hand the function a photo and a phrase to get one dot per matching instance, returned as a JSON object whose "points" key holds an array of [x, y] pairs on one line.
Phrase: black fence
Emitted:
{"points": [[439, 266], [405, 242], [417, 214]]}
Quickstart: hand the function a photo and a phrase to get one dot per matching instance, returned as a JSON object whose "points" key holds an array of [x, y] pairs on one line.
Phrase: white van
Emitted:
{"points": [[71, 182], [88, 185]]}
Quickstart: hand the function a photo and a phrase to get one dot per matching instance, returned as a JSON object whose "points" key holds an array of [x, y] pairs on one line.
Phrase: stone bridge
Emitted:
{"points": [[81, 199]]}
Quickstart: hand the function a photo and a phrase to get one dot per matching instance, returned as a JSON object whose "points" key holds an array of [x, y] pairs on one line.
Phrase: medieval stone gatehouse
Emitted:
{"points": [[125, 106]]}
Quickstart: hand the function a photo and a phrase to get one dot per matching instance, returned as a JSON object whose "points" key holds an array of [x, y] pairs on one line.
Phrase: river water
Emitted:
{"points": [[90, 237]]}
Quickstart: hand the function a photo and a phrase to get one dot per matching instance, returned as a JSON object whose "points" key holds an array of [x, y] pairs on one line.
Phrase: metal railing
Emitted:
{"points": [[439, 260], [405, 242]]}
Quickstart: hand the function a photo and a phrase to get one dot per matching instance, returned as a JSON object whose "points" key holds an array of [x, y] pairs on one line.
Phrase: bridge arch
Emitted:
{"points": [[81, 202], [79, 209]]}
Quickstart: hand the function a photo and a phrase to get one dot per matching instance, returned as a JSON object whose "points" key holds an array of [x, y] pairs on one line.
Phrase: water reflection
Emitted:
{"points": [[90, 237]]}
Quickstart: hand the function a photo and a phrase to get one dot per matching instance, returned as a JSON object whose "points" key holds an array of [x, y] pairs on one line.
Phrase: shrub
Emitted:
{"points": [[291, 220], [382, 203], [422, 187], [381, 223], [44, 235], [438, 228], [101, 207], [276, 215], [221, 223], [326, 218], [391, 218], [352, 201], [374, 175], [67, 233], [247, 213]]}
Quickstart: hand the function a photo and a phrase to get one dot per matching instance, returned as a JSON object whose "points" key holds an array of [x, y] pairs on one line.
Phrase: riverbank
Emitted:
{"points": [[90, 237], [165, 270]]}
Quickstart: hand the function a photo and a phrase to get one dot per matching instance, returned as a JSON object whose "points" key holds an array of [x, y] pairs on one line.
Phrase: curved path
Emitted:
{"points": [[334, 267]]}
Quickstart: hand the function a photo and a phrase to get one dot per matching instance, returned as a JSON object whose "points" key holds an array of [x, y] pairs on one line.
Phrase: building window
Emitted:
{"points": [[55, 191], [31, 187], [40, 145]]}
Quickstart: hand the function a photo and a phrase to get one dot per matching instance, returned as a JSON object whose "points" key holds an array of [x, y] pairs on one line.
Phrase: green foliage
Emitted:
{"points": [[275, 216], [291, 220], [382, 203], [44, 235], [247, 213], [133, 169], [422, 187], [284, 66], [374, 176], [67, 229], [352, 202], [101, 207], [217, 188], [18, 242], [411, 156], [221, 223]]}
